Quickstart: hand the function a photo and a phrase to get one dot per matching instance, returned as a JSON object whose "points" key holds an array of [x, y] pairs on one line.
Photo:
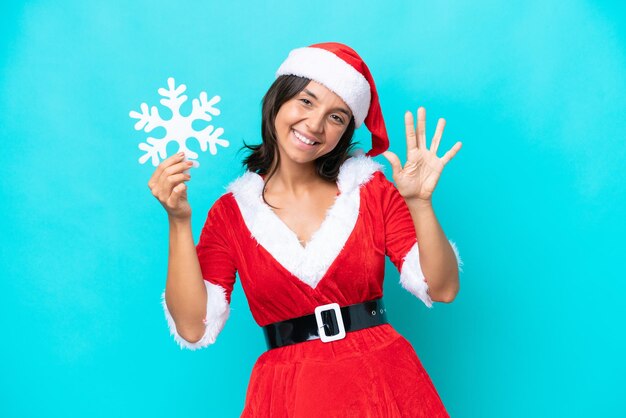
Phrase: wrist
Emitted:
{"points": [[419, 203], [179, 223]]}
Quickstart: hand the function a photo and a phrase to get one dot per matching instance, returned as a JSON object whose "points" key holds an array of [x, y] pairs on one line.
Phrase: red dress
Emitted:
{"points": [[373, 372]]}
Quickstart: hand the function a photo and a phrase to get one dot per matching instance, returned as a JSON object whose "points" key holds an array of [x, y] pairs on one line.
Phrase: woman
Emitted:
{"points": [[307, 228]]}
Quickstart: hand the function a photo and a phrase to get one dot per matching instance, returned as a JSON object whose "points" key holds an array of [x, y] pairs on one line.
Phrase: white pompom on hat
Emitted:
{"points": [[339, 68]]}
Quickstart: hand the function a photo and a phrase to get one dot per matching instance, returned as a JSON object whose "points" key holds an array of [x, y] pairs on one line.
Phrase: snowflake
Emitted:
{"points": [[178, 128]]}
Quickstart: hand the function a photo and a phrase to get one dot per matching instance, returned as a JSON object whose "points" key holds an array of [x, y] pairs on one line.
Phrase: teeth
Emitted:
{"points": [[303, 139]]}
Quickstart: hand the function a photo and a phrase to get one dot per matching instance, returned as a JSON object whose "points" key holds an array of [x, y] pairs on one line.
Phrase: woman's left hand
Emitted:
{"points": [[418, 178]]}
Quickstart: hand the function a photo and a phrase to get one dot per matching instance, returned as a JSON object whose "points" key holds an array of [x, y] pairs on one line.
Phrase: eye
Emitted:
{"points": [[305, 101], [338, 119]]}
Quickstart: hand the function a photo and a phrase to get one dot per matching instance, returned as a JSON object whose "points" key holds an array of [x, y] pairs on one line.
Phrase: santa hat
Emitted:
{"points": [[339, 68]]}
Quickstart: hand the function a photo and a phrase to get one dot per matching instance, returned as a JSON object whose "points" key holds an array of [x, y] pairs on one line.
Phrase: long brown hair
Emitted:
{"points": [[262, 155]]}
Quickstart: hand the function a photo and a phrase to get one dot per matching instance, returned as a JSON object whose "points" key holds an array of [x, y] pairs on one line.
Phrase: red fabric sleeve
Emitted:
{"points": [[214, 249], [399, 229]]}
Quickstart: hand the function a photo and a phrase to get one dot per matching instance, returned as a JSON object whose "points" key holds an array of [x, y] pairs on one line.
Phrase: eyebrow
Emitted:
{"points": [[340, 109]]}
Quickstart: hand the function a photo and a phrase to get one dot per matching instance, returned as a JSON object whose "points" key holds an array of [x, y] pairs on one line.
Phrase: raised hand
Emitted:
{"points": [[421, 172]]}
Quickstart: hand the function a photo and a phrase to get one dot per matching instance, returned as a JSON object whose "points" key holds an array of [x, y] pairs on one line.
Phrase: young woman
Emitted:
{"points": [[307, 228]]}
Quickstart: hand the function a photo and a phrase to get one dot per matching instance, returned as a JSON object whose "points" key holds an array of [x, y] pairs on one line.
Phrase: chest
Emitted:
{"points": [[304, 215]]}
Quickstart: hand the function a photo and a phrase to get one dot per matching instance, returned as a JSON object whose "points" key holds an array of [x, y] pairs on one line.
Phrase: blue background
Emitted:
{"points": [[535, 199]]}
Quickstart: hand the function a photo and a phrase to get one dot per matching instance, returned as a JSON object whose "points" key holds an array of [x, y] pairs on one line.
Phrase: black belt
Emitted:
{"points": [[326, 317]]}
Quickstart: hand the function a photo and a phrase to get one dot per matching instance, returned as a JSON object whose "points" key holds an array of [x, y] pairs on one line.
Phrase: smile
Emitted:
{"points": [[304, 139]]}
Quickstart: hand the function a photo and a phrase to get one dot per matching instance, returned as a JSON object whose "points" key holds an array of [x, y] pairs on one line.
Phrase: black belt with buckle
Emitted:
{"points": [[328, 323]]}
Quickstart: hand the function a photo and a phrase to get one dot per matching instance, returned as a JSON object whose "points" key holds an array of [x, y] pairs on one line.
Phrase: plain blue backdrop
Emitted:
{"points": [[535, 199]]}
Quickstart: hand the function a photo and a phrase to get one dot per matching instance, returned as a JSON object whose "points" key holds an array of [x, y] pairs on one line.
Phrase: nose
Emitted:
{"points": [[315, 121]]}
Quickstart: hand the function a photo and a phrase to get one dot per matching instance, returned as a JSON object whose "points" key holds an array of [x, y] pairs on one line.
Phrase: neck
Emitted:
{"points": [[294, 178]]}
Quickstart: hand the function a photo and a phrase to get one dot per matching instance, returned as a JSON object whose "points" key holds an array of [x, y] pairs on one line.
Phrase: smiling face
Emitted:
{"points": [[310, 124]]}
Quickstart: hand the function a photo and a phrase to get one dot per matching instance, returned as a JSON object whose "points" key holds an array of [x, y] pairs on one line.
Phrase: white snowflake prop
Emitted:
{"points": [[178, 128]]}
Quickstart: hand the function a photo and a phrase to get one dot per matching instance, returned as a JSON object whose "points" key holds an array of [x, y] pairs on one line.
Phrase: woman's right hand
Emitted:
{"points": [[167, 185]]}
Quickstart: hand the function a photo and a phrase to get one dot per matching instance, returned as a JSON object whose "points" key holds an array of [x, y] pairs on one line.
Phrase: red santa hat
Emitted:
{"points": [[339, 68]]}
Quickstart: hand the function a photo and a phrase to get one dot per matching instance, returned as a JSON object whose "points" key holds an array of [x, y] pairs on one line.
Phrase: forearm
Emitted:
{"points": [[185, 292], [437, 258]]}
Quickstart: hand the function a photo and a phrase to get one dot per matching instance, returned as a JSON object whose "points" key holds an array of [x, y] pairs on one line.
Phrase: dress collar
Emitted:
{"points": [[310, 263]]}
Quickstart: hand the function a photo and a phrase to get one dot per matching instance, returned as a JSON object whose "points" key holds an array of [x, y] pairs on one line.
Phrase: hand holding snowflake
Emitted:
{"points": [[167, 185], [178, 128]]}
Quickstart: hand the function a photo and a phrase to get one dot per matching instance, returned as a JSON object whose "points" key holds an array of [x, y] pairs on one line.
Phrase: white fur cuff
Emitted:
{"points": [[217, 312], [412, 277]]}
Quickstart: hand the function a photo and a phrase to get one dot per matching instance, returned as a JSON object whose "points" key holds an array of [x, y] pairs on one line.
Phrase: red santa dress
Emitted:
{"points": [[374, 372]]}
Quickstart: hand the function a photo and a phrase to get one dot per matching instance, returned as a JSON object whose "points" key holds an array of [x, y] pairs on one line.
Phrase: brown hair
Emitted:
{"points": [[262, 155]]}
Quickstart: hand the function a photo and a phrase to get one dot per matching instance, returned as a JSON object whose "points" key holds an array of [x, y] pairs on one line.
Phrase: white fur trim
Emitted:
{"points": [[310, 263], [217, 312], [328, 69], [412, 276]]}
